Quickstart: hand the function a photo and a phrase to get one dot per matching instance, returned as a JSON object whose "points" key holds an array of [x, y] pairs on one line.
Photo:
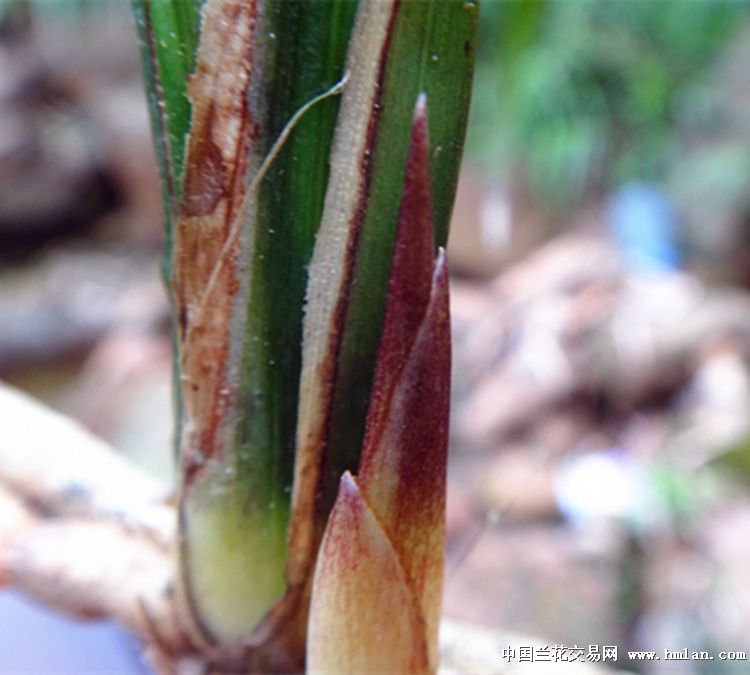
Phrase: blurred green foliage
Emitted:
{"points": [[582, 95]]}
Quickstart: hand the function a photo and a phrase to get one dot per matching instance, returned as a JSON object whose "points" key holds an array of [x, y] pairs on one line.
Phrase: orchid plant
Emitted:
{"points": [[309, 155]]}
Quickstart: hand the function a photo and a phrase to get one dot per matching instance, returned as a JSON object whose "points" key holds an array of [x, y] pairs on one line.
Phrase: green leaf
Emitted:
{"points": [[250, 202], [168, 31]]}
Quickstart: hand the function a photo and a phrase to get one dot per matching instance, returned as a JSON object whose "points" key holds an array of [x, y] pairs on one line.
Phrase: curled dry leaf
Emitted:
{"points": [[206, 277]]}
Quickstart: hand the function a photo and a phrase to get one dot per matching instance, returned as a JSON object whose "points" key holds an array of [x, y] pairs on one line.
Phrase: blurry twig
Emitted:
{"points": [[83, 531]]}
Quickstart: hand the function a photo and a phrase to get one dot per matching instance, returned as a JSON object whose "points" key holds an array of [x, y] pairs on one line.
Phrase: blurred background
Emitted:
{"points": [[600, 452]]}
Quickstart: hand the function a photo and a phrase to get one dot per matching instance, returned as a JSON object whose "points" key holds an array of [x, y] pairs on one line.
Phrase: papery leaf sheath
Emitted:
{"points": [[364, 616]]}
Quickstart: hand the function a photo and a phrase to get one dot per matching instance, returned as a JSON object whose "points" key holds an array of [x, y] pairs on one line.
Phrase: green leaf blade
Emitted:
{"points": [[168, 31], [248, 214]]}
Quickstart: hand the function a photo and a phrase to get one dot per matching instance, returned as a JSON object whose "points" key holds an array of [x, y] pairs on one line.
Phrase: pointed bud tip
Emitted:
{"points": [[348, 486], [420, 109], [418, 154], [441, 264]]}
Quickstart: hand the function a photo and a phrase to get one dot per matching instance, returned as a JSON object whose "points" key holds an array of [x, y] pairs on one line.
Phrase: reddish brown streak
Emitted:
{"points": [[204, 184], [410, 279], [214, 184]]}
